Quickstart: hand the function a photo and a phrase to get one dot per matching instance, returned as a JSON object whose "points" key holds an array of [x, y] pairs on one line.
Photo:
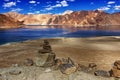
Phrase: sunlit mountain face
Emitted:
{"points": [[57, 6]]}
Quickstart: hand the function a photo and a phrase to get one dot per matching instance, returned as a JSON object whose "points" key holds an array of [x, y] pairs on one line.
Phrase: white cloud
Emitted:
{"points": [[37, 12], [48, 5], [64, 3], [111, 2], [9, 4], [18, 1], [108, 5], [32, 2], [38, 2], [6, 0], [49, 8], [71, 0], [29, 13], [57, 1], [16, 9], [58, 4], [117, 7], [104, 8]]}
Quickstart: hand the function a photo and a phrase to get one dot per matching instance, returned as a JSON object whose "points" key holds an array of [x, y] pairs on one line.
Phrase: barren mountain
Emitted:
{"points": [[87, 18], [79, 18], [8, 22], [30, 19]]}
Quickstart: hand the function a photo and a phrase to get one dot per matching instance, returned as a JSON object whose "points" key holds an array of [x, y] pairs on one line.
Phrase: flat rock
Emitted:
{"points": [[14, 72], [102, 73], [45, 60]]}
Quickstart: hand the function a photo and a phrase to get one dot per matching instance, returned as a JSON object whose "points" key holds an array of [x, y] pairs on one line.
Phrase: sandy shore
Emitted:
{"points": [[100, 50]]}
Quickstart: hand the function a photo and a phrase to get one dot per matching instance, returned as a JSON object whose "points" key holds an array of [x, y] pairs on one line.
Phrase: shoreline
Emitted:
{"points": [[74, 26], [81, 50], [9, 43]]}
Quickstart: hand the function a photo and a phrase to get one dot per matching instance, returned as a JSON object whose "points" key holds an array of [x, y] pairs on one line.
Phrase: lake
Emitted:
{"points": [[36, 32]]}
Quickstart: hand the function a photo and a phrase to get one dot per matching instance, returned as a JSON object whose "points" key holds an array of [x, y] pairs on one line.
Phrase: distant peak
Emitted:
{"points": [[67, 12]]}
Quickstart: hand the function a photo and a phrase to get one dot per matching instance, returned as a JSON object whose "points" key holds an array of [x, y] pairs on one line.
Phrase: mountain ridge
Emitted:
{"points": [[9, 22], [76, 18]]}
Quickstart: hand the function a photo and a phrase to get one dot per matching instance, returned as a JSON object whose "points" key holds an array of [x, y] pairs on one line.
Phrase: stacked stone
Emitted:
{"points": [[46, 47], [46, 57], [115, 71]]}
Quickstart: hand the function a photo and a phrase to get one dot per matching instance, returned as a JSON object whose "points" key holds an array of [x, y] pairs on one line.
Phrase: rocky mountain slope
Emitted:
{"points": [[79, 18], [30, 19], [87, 18], [8, 22]]}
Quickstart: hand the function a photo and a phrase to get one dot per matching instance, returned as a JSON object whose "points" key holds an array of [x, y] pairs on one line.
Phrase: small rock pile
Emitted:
{"points": [[45, 58], [115, 71]]}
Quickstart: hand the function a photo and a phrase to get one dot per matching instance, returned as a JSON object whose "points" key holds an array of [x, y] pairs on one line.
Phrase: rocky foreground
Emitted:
{"points": [[102, 51]]}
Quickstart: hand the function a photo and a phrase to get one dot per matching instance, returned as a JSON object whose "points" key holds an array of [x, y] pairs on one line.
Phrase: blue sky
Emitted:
{"points": [[57, 6]]}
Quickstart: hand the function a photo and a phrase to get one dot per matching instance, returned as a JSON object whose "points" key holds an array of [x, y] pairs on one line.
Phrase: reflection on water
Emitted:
{"points": [[73, 29], [35, 32]]}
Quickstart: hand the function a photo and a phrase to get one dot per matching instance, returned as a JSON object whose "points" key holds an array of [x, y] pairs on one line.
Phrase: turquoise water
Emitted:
{"points": [[35, 32]]}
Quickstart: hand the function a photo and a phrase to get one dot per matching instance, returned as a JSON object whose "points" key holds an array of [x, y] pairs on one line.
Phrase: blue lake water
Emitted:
{"points": [[22, 34]]}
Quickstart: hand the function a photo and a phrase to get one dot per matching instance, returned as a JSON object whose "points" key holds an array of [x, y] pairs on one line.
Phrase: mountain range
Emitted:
{"points": [[71, 18]]}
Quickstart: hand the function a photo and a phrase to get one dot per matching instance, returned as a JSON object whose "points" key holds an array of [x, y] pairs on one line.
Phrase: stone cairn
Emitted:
{"points": [[115, 71], [46, 57]]}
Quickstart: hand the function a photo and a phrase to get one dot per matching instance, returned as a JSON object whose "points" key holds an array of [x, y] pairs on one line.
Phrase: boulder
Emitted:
{"points": [[68, 68], [117, 64], [102, 73], [115, 72], [45, 60]]}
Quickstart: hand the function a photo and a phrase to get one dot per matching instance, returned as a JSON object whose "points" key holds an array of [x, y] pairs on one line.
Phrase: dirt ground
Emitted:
{"points": [[100, 50]]}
